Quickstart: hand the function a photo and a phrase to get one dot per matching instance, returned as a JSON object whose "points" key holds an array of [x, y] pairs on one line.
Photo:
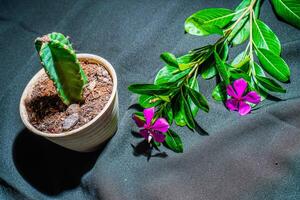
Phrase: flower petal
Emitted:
{"points": [[139, 122], [231, 92], [161, 125], [252, 97], [149, 114], [158, 137], [232, 104], [244, 108], [145, 133], [240, 86]]}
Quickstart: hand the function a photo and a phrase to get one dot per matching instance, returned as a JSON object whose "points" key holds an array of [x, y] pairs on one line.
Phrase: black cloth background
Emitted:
{"points": [[253, 157]]}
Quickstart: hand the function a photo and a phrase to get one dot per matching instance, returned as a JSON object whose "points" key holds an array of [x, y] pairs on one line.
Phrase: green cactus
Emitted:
{"points": [[61, 65]]}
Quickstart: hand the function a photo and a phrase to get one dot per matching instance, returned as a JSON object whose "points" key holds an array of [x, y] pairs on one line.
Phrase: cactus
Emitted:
{"points": [[62, 67]]}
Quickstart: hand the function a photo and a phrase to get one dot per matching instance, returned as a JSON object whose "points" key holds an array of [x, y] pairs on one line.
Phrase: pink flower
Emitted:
{"points": [[239, 101], [151, 130]]}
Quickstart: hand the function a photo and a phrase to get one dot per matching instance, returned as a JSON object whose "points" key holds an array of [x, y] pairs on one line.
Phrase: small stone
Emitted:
{"points": [[92, 85], [104, 73], [105, 80], [70, 121], [73, 108]]}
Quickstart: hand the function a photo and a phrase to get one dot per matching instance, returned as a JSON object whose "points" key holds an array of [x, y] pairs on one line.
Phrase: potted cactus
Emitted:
{"points": [[73, 100]]}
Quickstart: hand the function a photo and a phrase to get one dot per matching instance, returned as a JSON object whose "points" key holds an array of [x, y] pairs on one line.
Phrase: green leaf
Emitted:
{"points": [[178, 110], [264, 37], [208, 72], [198, 99], [62, 66], [241, 32], [222, 49], [273, 64], [221, 67], [243, 4], [241, 61], [185, 59], [169, 74], [148, 101], [183, 66], [207, 68], [237, 74], [148, 89], [219, 92], [270, 84], [257, 8], [193, 83], [168, 112], [189, 119], [208, 21], [258, 70], [289, 10], [169, 59], [173, 141]]}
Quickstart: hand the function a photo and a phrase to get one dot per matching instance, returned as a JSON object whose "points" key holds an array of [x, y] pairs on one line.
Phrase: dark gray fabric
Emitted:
{"points": [[253, 157]]}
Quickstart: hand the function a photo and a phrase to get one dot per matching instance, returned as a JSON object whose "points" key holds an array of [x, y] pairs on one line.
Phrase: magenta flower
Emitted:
{"points": [[239, 101], [151, 129]]}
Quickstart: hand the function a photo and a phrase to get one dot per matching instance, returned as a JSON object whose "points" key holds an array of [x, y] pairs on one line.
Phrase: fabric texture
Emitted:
{"points": [[254, 157]]}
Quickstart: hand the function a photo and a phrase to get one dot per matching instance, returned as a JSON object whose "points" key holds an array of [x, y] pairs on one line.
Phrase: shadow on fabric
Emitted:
{"points": [[49, 168]]}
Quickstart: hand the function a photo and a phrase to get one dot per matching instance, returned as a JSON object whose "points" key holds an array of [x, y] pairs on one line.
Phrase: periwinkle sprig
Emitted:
{"points": [[175, 92]]}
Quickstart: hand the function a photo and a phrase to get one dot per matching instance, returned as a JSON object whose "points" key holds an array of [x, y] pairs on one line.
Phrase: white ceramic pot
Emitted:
{"points": [[91, 135]]}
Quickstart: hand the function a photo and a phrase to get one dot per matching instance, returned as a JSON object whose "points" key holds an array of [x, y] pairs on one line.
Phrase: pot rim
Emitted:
{"points": [[23, 110]]}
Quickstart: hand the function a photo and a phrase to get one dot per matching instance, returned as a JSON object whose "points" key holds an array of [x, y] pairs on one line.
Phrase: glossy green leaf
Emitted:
{"points": [[209, 72], [270, 84], [168, 74], [198, 99], [148, 89], [189, 119], [221, 67], [168, 112], [187, 58], [178, 110], [219, 92], [273, 64], [193, 83], [208, 21], [173, 141], [264, 37], [257, 8], [183, 66], [207, 68], [241, 61], [242, 30], [222, 49], [242, 5], [289, 10], [237, 74], [186, 61], [148, 101], [169, 59], [258, 70]]}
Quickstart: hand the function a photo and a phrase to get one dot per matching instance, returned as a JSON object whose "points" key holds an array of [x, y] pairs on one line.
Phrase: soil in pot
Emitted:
{"points": [[47, 112]]}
